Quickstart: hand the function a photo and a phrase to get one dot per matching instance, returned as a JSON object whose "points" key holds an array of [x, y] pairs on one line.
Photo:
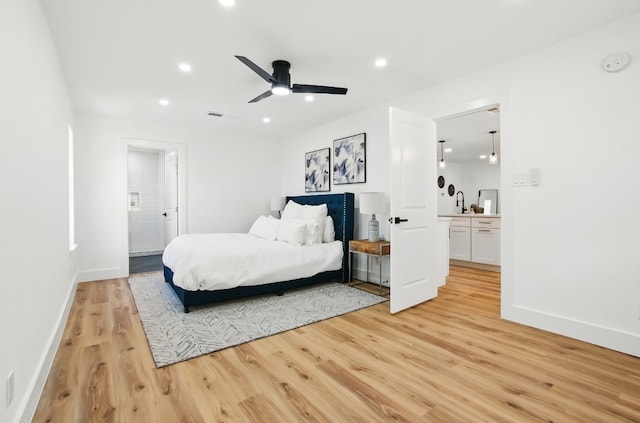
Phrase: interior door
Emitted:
{"points": [[415, 272], [170, 197]]}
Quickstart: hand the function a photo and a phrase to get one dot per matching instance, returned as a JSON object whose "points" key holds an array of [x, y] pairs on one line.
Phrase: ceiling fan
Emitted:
{"points": [[280, 81]]}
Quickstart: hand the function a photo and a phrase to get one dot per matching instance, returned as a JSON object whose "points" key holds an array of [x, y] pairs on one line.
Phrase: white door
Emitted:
{"points": [[415, 271], [170, 197]]}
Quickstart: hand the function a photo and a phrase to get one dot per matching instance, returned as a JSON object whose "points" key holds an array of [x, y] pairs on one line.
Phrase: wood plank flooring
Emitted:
{"points": [[448, 360]]}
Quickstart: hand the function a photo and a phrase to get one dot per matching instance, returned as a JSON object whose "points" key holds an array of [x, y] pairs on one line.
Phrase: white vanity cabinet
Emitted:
{"points": [[474, 239], [485, 240], [460, 238]]}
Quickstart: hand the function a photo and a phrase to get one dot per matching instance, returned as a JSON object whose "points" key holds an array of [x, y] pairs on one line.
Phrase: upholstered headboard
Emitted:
{"points": [[340, 208]]}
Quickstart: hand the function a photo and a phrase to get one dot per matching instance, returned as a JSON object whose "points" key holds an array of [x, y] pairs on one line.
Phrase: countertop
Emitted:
{"points": [[470, 215]]}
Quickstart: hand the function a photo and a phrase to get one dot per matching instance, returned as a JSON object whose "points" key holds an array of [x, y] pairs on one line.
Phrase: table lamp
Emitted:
{"points": [[277, 204], [372, 203]]}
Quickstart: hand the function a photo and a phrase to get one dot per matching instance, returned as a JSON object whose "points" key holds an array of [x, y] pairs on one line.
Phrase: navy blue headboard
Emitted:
{"points": [[341, 209]]}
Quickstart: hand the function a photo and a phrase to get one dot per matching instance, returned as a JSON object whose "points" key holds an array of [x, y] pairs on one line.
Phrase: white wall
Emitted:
{"points": [[375, 125], [229, 179], [569, 246], [38, 271], [146, 179]]}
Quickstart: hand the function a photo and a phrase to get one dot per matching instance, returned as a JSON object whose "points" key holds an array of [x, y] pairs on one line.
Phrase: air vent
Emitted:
{"points": [[494, 110], [216, 114]]}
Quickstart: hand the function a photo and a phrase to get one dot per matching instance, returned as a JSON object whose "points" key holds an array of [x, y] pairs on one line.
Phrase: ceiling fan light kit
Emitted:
{"points": [[280, 81]]}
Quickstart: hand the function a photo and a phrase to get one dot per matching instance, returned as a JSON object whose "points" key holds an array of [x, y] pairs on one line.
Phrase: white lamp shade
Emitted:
{"points": [[277, 203], [371, 202]]}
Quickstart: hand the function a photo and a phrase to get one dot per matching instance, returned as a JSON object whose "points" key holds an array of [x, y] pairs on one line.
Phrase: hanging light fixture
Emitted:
{"points": [[493, 159], [442, 162]]}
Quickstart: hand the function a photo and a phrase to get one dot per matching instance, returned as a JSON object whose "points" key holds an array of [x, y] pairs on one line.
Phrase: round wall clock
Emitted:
{"points": [[440, 181], [451, 190]]}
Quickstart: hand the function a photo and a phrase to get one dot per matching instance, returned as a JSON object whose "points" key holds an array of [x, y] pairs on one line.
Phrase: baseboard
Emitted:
{"points": [[101, 274], [29, 405], [146, 253], [610, 338]]}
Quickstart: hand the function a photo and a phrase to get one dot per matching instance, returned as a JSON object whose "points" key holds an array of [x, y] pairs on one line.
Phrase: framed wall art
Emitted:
{"points": [[316, 171], [350, 160]]}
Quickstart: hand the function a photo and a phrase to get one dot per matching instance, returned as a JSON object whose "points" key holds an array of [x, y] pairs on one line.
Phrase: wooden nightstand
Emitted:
{"points": [[368, 248]]}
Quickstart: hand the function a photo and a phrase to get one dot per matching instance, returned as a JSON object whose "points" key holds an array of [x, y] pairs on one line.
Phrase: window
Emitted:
{"points": [[72, 235]]}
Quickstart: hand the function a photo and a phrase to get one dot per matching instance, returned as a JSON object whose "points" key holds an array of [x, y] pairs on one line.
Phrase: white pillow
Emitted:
{"points": [[292, 232], [265, 228], [318, 214], [311, 233], [291, 211], [329, 234]]}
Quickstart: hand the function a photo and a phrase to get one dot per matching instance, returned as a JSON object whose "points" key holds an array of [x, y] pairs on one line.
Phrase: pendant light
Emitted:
{"points": [[493, 159], [442, 163]]}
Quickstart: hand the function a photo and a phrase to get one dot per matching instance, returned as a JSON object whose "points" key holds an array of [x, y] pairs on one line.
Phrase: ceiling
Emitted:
{"points": [[120, 57], [468, 136]]}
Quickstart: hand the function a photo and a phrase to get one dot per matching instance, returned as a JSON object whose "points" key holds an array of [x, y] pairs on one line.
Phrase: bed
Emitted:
{"points": [[340, 207]]}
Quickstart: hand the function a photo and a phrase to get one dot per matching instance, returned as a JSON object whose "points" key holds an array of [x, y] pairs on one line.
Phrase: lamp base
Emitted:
{"points": [[374, 229]]}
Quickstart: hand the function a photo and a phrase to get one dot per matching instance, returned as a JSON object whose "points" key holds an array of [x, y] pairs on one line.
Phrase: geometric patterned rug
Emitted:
{"points": [[175, 336]]}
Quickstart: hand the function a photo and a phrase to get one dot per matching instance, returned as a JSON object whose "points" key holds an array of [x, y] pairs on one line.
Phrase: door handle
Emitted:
{"points": [[164, 214], [396, 220]]}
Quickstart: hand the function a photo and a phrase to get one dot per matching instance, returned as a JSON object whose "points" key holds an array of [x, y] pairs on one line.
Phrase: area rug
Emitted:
{"points": [[176, 336]]}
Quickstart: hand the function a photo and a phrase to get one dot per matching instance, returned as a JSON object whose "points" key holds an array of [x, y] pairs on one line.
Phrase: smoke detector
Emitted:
{"points": [[616, 62]]}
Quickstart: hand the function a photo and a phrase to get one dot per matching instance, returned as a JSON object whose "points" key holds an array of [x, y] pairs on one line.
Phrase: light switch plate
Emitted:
{"points": [[520, 179], [534, 176]]}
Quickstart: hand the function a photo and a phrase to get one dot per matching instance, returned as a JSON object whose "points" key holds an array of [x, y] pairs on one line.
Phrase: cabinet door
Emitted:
{"points": [[486, 246], [460, 243]]}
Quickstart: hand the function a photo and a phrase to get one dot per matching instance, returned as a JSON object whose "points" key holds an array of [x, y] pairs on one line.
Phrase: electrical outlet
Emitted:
{"points": [[9, 390]]}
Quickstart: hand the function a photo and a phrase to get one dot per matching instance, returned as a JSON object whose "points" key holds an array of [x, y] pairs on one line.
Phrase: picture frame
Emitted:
{"points": [[317, 165], [350, 160]]}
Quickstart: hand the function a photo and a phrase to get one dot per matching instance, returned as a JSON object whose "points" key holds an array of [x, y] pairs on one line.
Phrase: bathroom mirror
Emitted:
{"points": [[491, 195]]}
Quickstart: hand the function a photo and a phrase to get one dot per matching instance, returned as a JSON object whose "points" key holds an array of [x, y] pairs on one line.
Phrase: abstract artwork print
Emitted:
{"points": [[349, 160], [316, 171]]}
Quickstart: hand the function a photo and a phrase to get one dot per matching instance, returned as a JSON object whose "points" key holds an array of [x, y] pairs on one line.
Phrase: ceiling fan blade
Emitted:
{"points": [[261, 96], [257, 69], [317, 89]]}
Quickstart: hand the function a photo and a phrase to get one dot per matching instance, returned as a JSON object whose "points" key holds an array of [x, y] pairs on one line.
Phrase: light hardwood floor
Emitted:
{"points": [[448, 360]]}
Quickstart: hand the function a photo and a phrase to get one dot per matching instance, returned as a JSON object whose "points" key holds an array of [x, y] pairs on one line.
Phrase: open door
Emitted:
{"points": [[416, 271], [170, 197]]}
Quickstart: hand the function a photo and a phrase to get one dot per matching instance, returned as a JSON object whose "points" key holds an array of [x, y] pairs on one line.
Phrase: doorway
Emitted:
{"points": [[155, 204], [469, 190]]}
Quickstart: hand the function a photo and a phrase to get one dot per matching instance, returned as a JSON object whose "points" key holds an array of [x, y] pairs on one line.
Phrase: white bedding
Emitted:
{"points": [[221, 261]]}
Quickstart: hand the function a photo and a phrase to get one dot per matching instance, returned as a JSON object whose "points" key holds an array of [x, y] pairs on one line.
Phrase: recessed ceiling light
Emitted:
{"points": [[308, 98], [448, 150], [483, 156], [381, 62], [227, 3], [266, 119], [185, 67], [164, 102]]}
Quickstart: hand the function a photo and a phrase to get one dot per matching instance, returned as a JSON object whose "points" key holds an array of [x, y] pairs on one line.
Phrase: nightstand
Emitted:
{"points": [[369, 248]]}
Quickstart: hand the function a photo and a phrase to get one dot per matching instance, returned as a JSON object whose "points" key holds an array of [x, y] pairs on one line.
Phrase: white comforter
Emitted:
{"points": [[222, 261]]}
